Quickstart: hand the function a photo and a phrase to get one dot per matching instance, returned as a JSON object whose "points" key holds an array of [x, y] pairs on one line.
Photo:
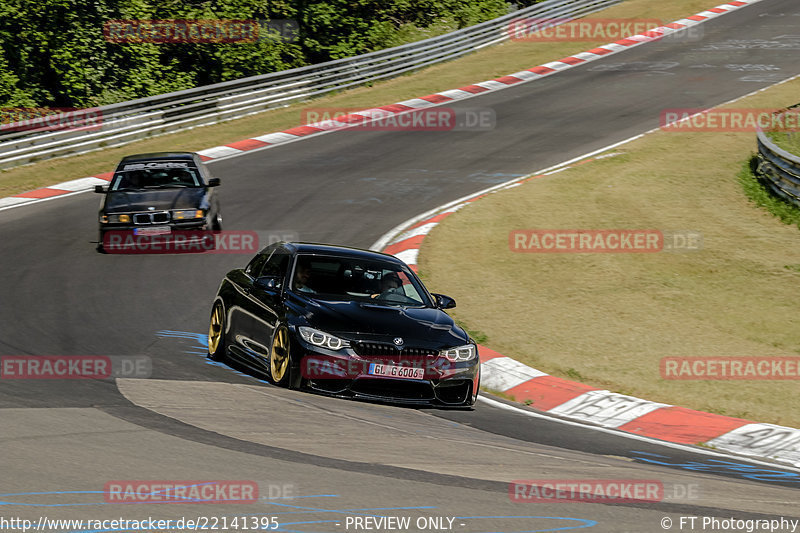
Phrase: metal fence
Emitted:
{"points": [[779, 168], [126, 122]]}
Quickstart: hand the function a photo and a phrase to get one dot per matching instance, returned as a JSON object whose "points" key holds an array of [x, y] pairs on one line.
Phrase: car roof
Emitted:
{"points": [[344, 251], [160, 156]]}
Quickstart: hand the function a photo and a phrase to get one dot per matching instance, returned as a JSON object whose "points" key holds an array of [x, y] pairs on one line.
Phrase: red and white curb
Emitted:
{"points": [[576, 401], [293, 134]]}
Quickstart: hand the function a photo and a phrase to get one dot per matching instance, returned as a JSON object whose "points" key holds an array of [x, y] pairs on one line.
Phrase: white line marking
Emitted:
{"points": [[276, 138], [79, 184], [526, 75], [421, 230], [409, 256], [13, 201], [491, 85], [416, 103], [455, 94], [220, 151]]}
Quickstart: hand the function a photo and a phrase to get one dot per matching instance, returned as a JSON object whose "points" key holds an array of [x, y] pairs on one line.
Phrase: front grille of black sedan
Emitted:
{"points": [[368, 349], [157, 217]]}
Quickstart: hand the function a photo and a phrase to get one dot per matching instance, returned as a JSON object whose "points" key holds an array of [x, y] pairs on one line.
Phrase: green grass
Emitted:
{"points": [[788, 140], [758, 193]]}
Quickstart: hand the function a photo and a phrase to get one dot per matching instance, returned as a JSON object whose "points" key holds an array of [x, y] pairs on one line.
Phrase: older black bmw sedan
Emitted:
{"points": [[158, 194], [346, 322]]}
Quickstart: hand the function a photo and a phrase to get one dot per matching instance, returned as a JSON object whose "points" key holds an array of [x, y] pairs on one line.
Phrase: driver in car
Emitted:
{"points": [[390, 284], [302, 276]]}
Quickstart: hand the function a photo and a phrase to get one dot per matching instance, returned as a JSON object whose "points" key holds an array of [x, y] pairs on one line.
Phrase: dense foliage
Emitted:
{"points": [[55, 53]]}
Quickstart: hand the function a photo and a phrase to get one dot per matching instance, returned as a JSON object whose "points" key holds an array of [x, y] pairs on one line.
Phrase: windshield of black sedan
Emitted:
{"points": [[343, 278], [137, 176]]}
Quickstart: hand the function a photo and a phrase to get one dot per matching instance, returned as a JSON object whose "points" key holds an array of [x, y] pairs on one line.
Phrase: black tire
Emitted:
{"points": [[216, 333], [216, 224], [100, 248]]}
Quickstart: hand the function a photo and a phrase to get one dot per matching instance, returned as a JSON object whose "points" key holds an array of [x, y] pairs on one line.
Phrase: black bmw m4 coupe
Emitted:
{"points": [[345, 322]]}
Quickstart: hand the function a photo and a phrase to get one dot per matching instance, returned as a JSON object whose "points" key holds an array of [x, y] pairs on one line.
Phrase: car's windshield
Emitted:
{"points": [[137, 176], [353, 279]]}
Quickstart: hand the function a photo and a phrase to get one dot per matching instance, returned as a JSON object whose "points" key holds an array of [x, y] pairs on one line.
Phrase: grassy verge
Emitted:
{"points": [[760, 195], [609, 319], [485, 64], [788, 140]]}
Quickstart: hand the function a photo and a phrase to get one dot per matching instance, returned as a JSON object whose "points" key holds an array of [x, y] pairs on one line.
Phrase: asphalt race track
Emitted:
{"points": [[322, 462]]}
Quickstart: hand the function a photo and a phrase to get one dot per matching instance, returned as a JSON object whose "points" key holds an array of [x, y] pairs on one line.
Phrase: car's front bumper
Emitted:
{"points": [[442, 382], [174, 225], [167, 238]]}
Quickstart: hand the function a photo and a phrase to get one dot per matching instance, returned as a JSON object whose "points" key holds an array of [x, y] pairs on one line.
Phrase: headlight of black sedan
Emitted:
{"points": [[460, 353], [322, 339], [187, 214], [115, 219]]}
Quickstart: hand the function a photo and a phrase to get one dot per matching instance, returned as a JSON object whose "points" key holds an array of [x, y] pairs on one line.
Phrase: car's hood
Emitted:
{"points": [[422, 327], [159, 199]]}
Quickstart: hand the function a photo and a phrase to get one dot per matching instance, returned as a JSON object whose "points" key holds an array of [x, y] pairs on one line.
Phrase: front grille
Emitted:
{"points": [[373, 349], [157, 217]]}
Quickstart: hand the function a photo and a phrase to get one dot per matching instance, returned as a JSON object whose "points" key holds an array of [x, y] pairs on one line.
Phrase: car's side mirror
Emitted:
{"points": [[444, 302], [266, 283], [100, 189], [214, 182]]}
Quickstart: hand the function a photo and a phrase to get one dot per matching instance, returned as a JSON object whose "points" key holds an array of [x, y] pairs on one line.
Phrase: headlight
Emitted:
{"points": [[115, 219], [322, 339], [462, 353], [187, 214]]}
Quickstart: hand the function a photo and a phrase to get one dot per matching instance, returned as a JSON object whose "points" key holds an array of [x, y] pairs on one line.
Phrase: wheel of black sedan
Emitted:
{"points": [[216, 333], [279, 360]]}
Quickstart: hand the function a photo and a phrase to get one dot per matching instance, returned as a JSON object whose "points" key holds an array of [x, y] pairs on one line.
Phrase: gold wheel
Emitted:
{"points": [[215, 331], [279, 357]]}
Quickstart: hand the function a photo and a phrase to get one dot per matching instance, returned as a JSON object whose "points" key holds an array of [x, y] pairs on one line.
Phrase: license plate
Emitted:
{"points": [[400, 372], [155, 230]]}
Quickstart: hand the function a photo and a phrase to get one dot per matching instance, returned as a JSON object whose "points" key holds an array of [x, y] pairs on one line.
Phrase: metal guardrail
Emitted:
{"points": [[126, 122], [779, 168]]}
